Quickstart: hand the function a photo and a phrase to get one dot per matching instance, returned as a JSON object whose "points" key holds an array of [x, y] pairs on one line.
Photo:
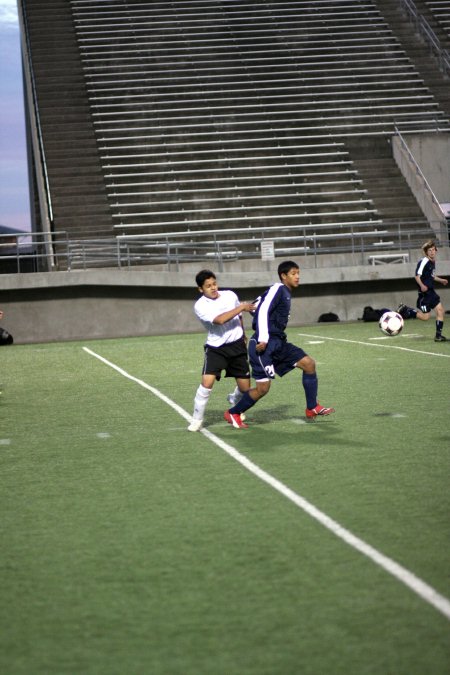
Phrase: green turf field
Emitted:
{"points": [[130, 546]]}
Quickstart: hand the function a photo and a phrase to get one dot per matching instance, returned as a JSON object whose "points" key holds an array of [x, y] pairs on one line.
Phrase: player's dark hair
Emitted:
{"points": [[286, 266], [202, 276]]}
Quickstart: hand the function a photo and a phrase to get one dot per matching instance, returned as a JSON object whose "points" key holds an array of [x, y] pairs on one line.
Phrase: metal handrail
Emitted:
{"points": [[24, 250], [428, 34], [427, 187], [418, 169], [22, 247]]}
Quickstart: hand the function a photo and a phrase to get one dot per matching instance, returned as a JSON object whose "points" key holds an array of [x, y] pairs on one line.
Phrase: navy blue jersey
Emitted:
{"points": [[272, 314], [426, 270]]}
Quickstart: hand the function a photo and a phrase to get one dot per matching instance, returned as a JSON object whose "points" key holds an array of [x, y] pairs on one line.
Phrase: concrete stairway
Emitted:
{"points": [[78, 195], [391, 195], [372, 158], [417, 50]]}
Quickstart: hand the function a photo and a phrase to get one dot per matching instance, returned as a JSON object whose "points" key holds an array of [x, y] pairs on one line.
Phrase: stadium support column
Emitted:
{"points": [[39, 163]]}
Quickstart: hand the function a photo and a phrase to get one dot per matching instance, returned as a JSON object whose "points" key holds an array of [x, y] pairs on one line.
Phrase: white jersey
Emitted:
{"points": [[207, 309]]}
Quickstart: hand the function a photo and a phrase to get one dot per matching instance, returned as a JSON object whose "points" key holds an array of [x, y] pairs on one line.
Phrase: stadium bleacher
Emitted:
{"points": [[440, 10], [196, 116]]}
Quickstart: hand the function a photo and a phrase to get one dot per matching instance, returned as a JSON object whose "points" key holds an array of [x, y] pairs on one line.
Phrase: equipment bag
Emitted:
{"points": [[5, 337]]}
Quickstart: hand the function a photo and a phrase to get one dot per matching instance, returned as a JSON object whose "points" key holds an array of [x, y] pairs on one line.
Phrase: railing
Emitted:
{"points": [[28, 252], [420, 186], [424, 29], [307, 242], [23, 252]]}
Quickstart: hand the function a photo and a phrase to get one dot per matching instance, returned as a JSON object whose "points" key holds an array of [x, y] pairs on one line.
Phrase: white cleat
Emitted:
{"points": [[195, 425]]}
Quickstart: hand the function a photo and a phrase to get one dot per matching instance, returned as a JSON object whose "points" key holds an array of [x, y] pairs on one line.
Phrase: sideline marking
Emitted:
{"points": [[375, 344], [421, 588]]}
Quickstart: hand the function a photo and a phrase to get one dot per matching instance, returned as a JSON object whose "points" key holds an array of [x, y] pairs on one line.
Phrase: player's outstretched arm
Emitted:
{"points": [[227, 316]]}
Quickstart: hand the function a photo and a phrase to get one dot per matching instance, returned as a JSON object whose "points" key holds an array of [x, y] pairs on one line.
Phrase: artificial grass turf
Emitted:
{"points": [[134, 546]]}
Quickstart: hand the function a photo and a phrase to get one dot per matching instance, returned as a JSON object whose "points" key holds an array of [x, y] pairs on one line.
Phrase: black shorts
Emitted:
{"points": [[230, 357], [428, 301]]}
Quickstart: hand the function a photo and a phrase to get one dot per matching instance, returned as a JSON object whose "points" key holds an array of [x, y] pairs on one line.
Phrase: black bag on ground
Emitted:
{"points": [[5, 337], [328, 316], [371, 314]]}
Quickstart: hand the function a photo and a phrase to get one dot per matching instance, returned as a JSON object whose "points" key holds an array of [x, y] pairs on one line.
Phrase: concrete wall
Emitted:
{"points": [[432, 154], [432, 183], [119, 303]]}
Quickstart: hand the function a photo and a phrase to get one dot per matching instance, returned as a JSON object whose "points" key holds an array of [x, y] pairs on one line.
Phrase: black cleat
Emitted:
{"points": [[403, 310], [440, 338]]}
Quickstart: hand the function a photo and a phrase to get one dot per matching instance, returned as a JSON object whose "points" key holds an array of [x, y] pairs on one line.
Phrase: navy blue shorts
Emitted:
{"points": [[279, 358], [428, 301]]}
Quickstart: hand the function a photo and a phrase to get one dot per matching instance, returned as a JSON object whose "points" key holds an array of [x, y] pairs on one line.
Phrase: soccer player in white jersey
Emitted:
{"points": [[427, 299], [220, 312]]}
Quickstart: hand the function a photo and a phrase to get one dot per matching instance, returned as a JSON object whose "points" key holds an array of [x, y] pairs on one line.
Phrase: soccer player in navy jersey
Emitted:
{"points": [[220, 313], [427, 299], [271, 354]]}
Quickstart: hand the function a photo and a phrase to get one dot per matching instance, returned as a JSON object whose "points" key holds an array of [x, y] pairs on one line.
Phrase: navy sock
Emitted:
{"points": [[411, 313], [439, 327], [310, 385], [244, 404]]}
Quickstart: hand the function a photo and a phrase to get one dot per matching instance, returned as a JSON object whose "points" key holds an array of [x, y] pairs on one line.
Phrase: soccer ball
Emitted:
{"points": [[391, 323]]}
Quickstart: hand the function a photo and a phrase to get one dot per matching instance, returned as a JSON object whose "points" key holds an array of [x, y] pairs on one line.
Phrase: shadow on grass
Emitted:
{"points": [[259, 415], [265, 435]]}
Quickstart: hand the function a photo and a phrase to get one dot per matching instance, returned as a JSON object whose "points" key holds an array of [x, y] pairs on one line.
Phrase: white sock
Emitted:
{"points": [[237, 395], [201, 399]]}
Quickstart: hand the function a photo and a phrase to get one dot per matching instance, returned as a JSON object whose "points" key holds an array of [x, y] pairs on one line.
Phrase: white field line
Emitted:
{"points": [[374, 344], [422, 589]]}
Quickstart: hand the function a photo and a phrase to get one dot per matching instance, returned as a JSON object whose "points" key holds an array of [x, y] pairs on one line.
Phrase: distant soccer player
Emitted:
{"points": [[270, 353], [225, 348], [427, 299]]}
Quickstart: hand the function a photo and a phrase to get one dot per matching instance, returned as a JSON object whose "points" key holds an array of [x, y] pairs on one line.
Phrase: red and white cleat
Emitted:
{"points": [[319, 410], [235, 419]]}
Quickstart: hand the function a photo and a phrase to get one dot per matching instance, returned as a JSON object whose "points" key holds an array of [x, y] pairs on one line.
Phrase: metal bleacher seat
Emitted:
{"points": [[219, 115], [440, 10]]}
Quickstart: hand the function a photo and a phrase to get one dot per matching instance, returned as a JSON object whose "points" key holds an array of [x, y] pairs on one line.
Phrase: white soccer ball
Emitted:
{"points": [[391, 323]]}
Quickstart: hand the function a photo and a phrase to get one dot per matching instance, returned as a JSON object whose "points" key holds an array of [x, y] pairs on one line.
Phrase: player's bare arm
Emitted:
{"points": [[421, 285], [441, 280], [227, 316]]}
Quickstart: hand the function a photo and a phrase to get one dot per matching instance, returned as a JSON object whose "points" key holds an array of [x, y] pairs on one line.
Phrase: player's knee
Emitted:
{"points": [[244, 385], [262, 388], [440, 312], [307, 364]]}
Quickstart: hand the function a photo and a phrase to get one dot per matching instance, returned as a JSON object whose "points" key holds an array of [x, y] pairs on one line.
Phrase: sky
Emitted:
{"points": [[14, 193]]}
